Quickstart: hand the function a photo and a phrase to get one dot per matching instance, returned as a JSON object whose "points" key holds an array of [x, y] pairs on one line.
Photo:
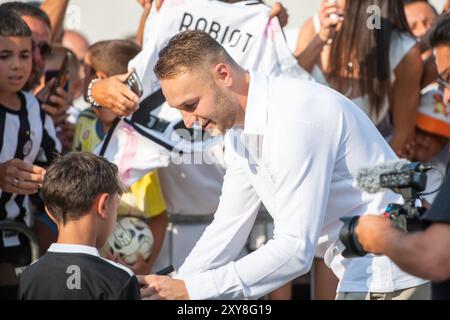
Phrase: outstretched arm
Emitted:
{"points": [[56, 11], [423, 254]]}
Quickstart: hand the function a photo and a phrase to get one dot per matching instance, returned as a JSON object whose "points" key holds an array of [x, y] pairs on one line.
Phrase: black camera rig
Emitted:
{"points": [[408, 181]]}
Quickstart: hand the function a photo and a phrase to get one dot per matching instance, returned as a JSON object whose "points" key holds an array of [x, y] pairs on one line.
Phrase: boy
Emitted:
{"points": [[27, 138], [81, 195], [144, 199]]}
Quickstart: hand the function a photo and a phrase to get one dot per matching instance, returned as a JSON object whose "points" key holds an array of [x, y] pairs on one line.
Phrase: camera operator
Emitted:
{"points": [[425, 254]]}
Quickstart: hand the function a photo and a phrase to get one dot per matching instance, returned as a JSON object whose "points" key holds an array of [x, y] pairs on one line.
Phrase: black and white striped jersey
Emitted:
{"points": [[29, 135]]}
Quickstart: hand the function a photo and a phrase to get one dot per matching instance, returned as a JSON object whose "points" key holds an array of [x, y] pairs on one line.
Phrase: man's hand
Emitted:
{"points": [[281, 13], [162, 288], [375, 232], [113, 94], [18, 176]]}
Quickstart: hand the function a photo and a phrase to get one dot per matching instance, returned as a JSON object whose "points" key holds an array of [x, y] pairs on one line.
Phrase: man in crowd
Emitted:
{"points": [[295, 146], [426, 253]]}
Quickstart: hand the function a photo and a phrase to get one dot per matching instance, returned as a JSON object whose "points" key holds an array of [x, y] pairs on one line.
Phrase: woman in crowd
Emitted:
{"points": [[345, 47]]}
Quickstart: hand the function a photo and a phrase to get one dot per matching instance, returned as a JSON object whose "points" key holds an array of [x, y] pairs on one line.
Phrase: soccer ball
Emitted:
{"points": [[130, 237]]}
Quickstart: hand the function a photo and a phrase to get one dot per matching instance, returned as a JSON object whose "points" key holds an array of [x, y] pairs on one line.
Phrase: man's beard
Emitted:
{"points": [[225, 114]]}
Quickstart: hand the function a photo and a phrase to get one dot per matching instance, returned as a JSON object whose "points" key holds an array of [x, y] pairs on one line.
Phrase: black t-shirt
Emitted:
{"points": [[72, 272], [440, 210]]}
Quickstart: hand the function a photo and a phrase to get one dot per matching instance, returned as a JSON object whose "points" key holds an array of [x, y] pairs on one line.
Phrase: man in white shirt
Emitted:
{"points": [[191, 190], [292, 144]]}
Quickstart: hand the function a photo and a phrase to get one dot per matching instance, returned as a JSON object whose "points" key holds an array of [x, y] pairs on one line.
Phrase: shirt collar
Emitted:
{"points": [[257, 105], [73, 248]]}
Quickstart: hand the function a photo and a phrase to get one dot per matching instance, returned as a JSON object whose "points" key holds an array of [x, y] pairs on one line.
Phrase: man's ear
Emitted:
{"points": [[222, 74], [101, 204], [51, 216], [101, 75]]}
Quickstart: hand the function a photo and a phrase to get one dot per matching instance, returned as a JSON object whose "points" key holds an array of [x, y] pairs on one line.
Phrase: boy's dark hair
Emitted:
{"points": [[112, 57], [440, 34], [27, 9], [12, 25], [74, 181]]}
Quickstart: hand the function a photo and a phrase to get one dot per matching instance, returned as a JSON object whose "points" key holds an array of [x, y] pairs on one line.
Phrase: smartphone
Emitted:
{"points": [[50, 74], [333, 16], [60, 77], [135, 84], [166, 271]]}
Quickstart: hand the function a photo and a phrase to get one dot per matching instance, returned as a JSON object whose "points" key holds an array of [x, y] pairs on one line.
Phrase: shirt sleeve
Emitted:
{"points": [[302, 175], [130, 291], [50, 145], [222, 241], [147, 195]]}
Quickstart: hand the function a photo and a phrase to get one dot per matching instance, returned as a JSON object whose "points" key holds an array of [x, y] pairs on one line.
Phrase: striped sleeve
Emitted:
{"points": [[50, 145]]}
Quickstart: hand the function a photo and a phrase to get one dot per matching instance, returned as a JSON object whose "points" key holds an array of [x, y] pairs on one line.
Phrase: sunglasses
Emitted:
{"points": [[443, 84], [45, 49]]}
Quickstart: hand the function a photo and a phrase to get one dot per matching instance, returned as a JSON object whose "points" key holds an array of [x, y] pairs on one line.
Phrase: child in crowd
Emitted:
{"points": [[144, 198], [27, 143], [81, 195]]}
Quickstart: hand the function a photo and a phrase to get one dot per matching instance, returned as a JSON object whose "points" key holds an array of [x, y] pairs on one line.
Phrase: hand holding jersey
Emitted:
{"points": [[239, 28]]}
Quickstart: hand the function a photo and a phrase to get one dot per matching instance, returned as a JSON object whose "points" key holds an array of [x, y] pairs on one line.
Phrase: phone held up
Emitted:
{"points": [[60, 78], [135, 84]]}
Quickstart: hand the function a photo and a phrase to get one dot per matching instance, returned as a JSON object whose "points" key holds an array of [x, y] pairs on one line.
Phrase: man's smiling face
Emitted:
{"points": [[201, 100]]}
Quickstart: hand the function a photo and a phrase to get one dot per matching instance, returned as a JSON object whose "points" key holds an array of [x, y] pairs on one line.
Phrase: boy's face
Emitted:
{"points": [[89, 74], [428, 145], [15, 63], [105, 116], [420, 16], [111, 206]]}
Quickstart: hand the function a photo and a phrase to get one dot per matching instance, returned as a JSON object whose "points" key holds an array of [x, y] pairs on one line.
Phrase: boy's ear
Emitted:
{"points": [[51, 216], [101, 75], [101, 204]]}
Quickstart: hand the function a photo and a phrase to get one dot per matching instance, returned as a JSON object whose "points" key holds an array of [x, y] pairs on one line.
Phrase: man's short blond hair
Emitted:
{"points": [[187, 51]]}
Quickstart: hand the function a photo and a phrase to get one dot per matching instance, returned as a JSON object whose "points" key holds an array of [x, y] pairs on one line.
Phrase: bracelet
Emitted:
{"points": [[89, 97]]}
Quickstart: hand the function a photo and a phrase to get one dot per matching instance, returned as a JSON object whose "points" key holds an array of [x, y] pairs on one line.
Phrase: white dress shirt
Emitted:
{"points": [[299, 153]]}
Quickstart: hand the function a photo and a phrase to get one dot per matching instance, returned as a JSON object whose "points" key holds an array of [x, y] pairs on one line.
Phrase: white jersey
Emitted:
{"points": [[252, 39]]}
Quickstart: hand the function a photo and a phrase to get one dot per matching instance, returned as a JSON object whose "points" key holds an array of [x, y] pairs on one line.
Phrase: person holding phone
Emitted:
{"points": [[144, 198], [112, 93], [382, 77], [40, 26], [27, 137]]}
